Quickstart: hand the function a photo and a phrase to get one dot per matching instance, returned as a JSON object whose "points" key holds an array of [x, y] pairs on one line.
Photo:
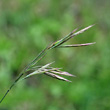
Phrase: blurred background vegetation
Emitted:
{"points": [[28, 26]]}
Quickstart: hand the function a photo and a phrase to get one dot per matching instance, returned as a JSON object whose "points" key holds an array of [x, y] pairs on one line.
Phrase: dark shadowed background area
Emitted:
{"points": [[28, 26]]}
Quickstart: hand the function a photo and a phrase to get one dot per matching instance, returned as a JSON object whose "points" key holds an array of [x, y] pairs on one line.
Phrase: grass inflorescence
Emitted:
{"points": [[47, 69]]}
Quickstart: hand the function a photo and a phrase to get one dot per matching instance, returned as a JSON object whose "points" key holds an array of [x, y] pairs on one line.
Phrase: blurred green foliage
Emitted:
{"points": [[28, 26]]}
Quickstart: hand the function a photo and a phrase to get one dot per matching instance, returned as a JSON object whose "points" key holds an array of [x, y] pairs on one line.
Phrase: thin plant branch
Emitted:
{"points": [[76, 45]]}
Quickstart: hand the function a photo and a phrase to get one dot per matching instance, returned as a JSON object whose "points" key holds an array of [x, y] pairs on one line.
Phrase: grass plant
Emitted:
{"points": [[47, 69]]}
